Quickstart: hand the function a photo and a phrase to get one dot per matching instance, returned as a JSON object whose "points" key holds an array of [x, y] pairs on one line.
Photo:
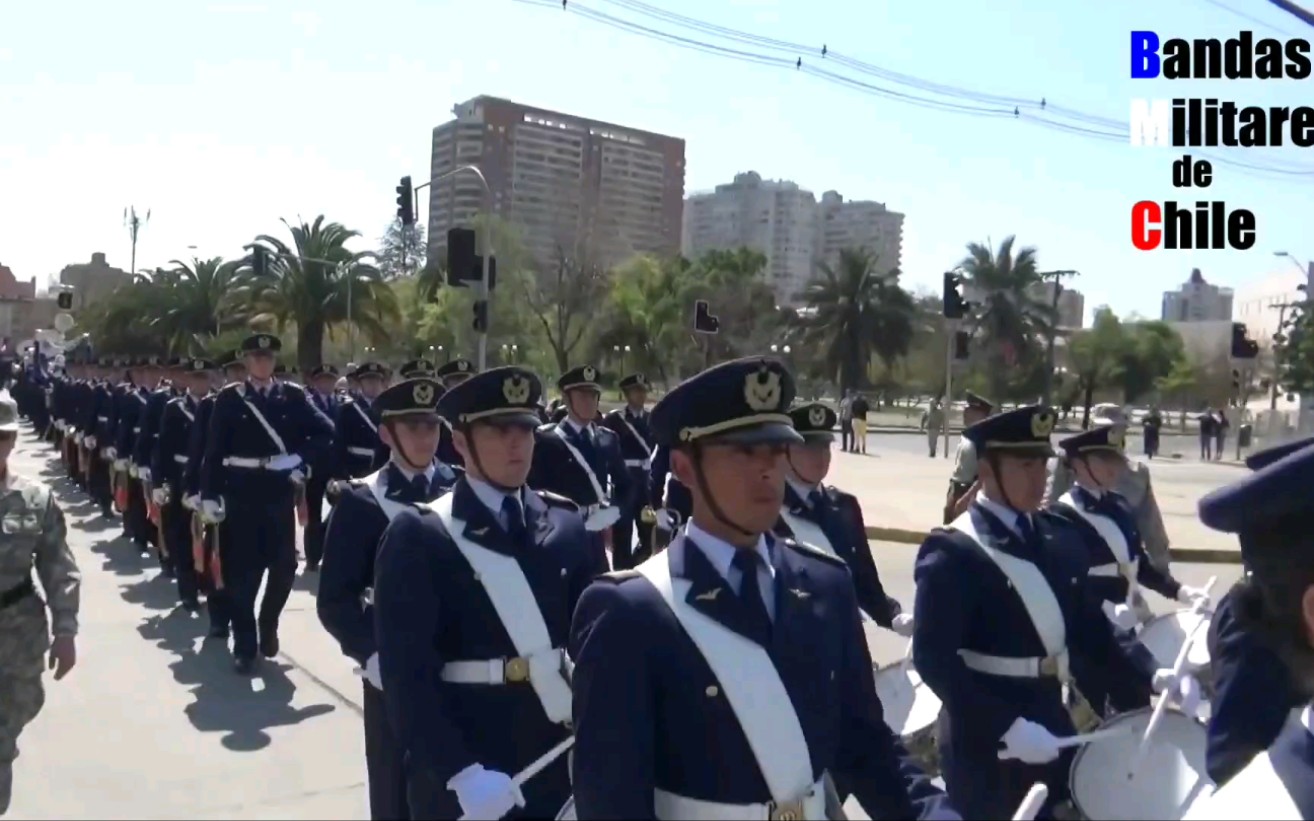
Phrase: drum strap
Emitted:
{"points": [[807, 532], [1029, 583], [1112, 536], [750, 681], [517, 608], [1255, 792]]}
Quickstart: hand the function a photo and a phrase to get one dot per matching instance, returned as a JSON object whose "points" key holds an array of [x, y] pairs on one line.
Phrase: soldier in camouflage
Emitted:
{"points": [[32, 536]]}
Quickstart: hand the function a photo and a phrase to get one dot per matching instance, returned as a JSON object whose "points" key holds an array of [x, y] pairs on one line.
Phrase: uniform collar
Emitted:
{"points": [[720, 552], [410, 474], [575, 427], [492, 497], [1006, 515], [803, 489]]}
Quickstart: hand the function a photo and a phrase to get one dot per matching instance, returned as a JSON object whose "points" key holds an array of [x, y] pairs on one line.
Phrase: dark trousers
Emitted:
{"points": [[216, 599], [135, 523], [260, 537], [623, 554], [176, 521], [383, 762], [846, 434], [99, 474], [314, 535]]}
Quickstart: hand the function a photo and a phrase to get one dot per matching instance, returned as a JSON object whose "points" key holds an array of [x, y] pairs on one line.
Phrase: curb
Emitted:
{"points": [[1193, 555]]}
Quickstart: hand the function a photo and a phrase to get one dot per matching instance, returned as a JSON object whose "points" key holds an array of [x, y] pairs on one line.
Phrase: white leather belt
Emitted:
{"points": [[498, 672], [136, 430], [636, 463], [180, 458], [1126, 570], [672, 806], [260, 463], [359, 451], [1055, 666], [102, 418]]}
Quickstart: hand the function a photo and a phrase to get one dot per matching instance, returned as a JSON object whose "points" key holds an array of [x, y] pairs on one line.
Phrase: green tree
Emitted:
{"points": [[401, 250], [1096, 357], [201, 304], [856, 311], [1152, 351], [1294, 351], [315, 284]]}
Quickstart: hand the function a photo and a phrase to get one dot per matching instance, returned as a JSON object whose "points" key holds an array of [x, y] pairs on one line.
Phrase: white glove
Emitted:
{"points": [[296, 477], [143, 473], [212, 511], [132, 469], [1182, 691], [120, 465], [663, 519], [1029, 743], [903, 625], [1123, 617], [160, 496], [485, 794], [110, 454], [192, 502], [90, 442], [370, 672], [1193, 596]]}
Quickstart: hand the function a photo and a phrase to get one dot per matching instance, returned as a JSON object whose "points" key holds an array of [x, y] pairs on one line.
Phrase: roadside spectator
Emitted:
{"points": [[859, 410], [1220, 433], [846, 420], [1207, 433]]}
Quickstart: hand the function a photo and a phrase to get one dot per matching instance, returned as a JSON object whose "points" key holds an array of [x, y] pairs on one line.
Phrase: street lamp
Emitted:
{"points": [[513, 350], [778, 349], [1304, 269]]}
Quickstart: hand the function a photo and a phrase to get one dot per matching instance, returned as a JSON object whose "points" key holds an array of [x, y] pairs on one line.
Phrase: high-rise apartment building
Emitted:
{"points": [[566, 182], [1197, 301], [1071, 304], [789, 227]]}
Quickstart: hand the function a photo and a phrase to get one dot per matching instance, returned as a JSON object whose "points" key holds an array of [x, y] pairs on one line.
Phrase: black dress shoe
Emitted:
{"points": [[218, 631], [244, 666], [191, 606], [269, 645], [312, 567]]}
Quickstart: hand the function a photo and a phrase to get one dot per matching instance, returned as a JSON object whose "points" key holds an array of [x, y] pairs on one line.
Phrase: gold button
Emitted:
{"points": [[517, 670], [712, 691]]}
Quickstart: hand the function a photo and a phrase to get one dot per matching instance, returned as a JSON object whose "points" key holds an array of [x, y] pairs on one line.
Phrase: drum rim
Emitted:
{"points": [[1111, 722]]}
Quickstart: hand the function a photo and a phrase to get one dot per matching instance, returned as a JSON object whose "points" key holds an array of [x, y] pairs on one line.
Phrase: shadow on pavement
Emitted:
{"points": [[121, 556], [157, 592], [307, 582]]}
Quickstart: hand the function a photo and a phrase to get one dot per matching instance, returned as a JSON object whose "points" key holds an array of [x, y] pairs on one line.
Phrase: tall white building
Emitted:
{"points": [[1197, 301], [1071, 304], [787, 225]]}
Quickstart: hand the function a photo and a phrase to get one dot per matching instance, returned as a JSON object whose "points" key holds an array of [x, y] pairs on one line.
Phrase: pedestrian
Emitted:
{"points": [[33, 535], [1221, 424], [1153, 424], [859, 410], [846, 421], [1207, 424], [934, 426]]}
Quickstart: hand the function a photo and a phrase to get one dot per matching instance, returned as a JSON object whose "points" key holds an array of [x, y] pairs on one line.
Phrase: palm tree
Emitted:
{"points": [[1009, 316], [200, 304], [855, 311], [315, 284]]}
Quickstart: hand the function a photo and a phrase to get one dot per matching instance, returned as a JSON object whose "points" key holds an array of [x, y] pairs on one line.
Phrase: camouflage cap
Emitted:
{"points": [[8, 413]]}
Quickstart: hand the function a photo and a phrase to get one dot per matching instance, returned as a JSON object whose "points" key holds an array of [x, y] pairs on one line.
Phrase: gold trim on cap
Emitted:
{"points": [[467, 418], [691, 434]]}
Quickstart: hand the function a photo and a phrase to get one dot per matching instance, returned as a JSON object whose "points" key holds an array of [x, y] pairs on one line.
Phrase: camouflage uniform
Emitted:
{"points": [[32, 535]]}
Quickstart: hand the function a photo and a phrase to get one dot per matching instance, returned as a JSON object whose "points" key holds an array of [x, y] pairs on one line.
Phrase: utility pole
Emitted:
{"points": [[134, 224], [1294, 10], [951, 327], [1282, 321], [1053, 330]]}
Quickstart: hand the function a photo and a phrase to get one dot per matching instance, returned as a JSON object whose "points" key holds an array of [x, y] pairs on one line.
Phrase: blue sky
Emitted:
{"points": [[223, 117]]}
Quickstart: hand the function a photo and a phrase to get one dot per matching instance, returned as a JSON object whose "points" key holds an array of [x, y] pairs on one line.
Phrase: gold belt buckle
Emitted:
{"points": [[1049, 667], [516, 670], [788, 811], [1126, 569]]}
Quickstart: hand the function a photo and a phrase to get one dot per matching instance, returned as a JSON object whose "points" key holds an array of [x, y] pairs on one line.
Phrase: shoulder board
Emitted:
{"points": [[814, 552], [618, 576], [544, 428], [295, 387], [556, 500], [234, 386], [604, 431]]}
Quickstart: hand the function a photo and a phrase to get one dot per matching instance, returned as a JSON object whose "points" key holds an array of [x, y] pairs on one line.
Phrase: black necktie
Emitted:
{"points": [[747, 563], [1026, 529], [514, 516], [584, 438], [420, 487]]}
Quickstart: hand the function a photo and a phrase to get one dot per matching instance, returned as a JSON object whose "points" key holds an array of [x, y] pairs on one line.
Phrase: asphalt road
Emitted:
{"points": [[153, 723]]}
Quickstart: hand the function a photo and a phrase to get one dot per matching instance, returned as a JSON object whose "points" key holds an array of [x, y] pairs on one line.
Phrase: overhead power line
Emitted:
{"points": [[747, 47]]}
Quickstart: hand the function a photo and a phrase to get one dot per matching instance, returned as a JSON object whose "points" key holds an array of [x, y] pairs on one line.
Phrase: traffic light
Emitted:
{"points": [[65, 300], [1242, 346], [955, 307], [405, 202], [461, 256], [962, 343], [704, 322], [481, 316]]}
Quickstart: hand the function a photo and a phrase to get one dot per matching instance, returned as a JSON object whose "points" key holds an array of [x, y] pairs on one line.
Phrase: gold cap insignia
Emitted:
{"points": [[590, 374], [516, 389], [1042, 425], [817, 416], [263, 341], [1117, 438], [423, 393], [762, 390], [462, 365], [641, 380]]}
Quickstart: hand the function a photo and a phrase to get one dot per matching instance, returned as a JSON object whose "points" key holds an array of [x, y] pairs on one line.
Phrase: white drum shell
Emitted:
{"points": [[568, 811], [1170, 778], [1164, 636], [909, 704]]}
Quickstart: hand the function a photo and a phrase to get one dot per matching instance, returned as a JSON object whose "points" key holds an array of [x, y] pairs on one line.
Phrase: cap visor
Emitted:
{"points": [[769, 434], [817, 437], [1026, 451], [505, 420]]}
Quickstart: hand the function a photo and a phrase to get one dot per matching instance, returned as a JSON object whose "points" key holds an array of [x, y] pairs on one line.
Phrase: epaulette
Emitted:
{"points": [[557, 500], [618, 576], [814, 551], [545, 427], [237, 386]]}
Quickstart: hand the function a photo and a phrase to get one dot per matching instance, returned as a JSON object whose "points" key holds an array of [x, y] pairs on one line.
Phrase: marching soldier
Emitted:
{"points": [[452, 374], [826, 517], [97, 440], [1269, 511], [358, 449], [963, 483], [33, 536], [935, 423], [578, 458], [262, 435], [415, 368], [143, 448], [668, 498], [130, 408], [1001, 604], [630, 424], [1254, 694], [472, 603], [410, 428], [728, 676], [214, 533], [169, 460], [323, 380]]}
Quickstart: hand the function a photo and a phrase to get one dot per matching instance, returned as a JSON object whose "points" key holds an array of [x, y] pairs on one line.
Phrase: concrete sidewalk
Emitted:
{"points": [[153, 723], [902, 497]]}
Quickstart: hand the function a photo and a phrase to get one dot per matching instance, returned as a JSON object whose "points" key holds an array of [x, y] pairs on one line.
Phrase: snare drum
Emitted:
{"points": [[911, 710], [1170, 777], [568, 811], [1164, 636]]}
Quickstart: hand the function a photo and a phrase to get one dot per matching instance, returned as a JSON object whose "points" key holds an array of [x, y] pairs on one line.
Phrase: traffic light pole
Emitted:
{"points": [[947, 404], [486, 244], [1053, 331]]}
